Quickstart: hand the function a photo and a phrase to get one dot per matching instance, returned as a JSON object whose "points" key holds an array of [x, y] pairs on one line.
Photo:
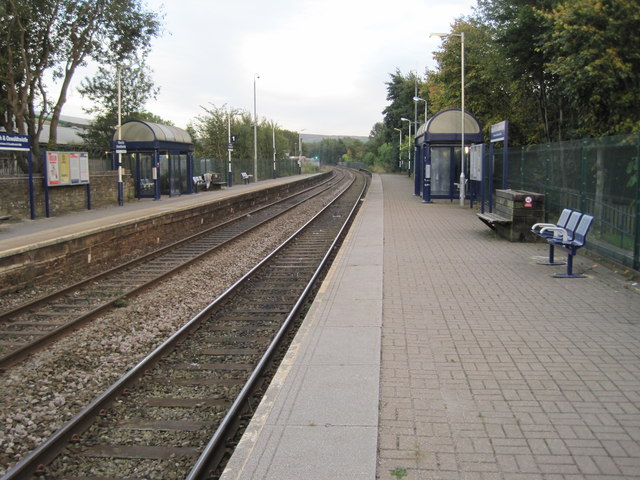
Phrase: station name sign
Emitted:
{"points": [[499, 131], [15, 142]]}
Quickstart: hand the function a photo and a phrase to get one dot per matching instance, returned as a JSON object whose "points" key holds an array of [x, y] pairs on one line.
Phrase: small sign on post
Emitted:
{"points": [[121, 146]]}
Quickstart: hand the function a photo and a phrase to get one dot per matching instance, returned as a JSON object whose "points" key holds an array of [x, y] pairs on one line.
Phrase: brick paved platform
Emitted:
{"points": [[489, 367]]}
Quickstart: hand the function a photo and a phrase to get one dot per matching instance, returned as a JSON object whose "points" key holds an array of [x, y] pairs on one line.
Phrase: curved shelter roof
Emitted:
{"points": [[141, 131], [445, 127]]}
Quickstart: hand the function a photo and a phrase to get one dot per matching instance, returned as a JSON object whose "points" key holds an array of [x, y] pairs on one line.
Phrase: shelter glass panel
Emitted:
{"points": [[145, 182], [164, 173], [440, 170], [184, 184]]}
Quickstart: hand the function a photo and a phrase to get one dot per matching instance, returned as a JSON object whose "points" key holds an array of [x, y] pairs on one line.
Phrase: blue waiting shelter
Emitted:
{"points": [[159, 157], [438, 153]]}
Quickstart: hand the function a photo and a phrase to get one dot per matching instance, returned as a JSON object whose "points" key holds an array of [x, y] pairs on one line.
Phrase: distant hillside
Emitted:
{"points": [[312, 137]]}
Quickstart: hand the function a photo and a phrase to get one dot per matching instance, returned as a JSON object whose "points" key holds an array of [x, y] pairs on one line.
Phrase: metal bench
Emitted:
{"points": [[246, 178], [570, 241], [563, 221], [198, 180]]}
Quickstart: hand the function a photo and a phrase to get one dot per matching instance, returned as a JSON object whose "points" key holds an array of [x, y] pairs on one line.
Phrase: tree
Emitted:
{"points": [[55, 37], [210, 133], [136, 90], [400, 92], [593, 49], [519, 32]]}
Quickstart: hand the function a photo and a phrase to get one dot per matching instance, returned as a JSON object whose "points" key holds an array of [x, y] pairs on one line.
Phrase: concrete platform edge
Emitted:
{"points": [[319, 417]]}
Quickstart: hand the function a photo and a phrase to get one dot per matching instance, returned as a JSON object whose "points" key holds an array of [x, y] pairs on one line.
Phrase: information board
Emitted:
{"points": [[67, 168], [475, 169]]}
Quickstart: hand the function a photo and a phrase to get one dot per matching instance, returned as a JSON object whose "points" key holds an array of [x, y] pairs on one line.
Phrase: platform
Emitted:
{"points": [[436, 350], [20, 235]]}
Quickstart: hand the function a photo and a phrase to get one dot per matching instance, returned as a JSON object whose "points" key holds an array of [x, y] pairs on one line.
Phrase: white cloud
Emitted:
{"points": [[323, 64]]}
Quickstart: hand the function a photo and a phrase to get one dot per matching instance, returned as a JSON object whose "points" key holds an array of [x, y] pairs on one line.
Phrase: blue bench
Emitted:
{"points": [[246, 178], [570, 238], [566, 221]]}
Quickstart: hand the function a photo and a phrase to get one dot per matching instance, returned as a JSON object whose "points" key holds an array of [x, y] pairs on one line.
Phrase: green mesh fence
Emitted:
{"points": [[284, 167], [598, 176]]}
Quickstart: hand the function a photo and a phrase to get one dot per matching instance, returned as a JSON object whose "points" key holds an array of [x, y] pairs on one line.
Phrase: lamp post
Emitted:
{"points": [[274, 150], [255, 131], [410, 122], [300, 149], [120, 183], [418, 99], [229, 148], [461, 35], [399, 147]]}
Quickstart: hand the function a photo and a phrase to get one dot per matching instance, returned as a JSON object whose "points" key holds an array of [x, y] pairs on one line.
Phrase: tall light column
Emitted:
{"points": [[418, 99], [255, 131], [399, 147], [229, 148], [274, 150], [120, 184], [410, 146], [462, 176], [300, 149]]}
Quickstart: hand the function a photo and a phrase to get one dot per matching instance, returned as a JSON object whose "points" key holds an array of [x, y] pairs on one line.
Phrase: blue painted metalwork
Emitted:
{"points": [[166, 145], [442, 130]]}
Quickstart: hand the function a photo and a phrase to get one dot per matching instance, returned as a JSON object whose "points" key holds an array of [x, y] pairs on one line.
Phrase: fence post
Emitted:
{"points": [[636, 239], [583, 175], [545, 190], [522, 168]]}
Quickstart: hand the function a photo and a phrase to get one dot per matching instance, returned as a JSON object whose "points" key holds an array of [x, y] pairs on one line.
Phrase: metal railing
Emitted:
{"points": [[598, 176]]}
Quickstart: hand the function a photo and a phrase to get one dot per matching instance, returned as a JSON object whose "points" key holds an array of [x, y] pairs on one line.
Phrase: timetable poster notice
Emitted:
{"points": [[67, 168]]}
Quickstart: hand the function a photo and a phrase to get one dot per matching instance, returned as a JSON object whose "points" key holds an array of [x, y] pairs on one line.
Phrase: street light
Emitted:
{"points": [[410, 122], [120, 182], [273, 126], [418, 99], [461, 35], [399, 147], [229, 148], [255, 131], [300, 149]]}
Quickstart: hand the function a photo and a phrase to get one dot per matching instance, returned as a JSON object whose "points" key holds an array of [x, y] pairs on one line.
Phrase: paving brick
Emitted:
{"points": [[511, 374]]}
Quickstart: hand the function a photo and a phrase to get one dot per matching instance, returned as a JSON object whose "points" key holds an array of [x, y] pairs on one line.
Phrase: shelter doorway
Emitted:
{"points": [[445, 171], [140, 164]]}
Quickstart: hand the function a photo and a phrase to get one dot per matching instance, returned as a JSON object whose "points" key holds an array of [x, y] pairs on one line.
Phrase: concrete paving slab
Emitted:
{"points": [[319, 417]]}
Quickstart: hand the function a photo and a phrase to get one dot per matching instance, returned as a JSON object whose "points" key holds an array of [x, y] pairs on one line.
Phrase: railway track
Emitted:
{"points": [[171, 416], [29, 327]]}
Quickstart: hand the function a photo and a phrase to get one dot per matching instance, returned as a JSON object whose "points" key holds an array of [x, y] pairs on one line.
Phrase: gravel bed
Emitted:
{"points": [[39, 395]]}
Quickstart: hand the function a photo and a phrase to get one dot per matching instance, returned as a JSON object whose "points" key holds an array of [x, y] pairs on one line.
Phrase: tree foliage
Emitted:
{"points": [[556, 69], [210, 132], [137, 89], [52, 38], [593, 49]]}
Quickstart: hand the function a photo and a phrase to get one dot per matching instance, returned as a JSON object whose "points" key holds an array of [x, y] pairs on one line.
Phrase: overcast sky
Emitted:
{"points": [[322, 64]]}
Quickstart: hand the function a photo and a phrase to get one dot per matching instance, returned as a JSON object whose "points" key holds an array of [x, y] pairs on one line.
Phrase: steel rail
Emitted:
{"points": [[211, 452], [37, 460], [18, 354]]}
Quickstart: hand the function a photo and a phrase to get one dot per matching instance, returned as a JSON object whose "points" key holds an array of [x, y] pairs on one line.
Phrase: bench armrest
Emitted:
{"points": [[542, 225], [557, 230]]}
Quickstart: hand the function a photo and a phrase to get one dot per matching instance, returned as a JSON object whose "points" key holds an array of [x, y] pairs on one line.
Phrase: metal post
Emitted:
{"points": [[255, 131], [274, 151], [229, 173], [120, 184], [462, 176], [399, 148]]}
